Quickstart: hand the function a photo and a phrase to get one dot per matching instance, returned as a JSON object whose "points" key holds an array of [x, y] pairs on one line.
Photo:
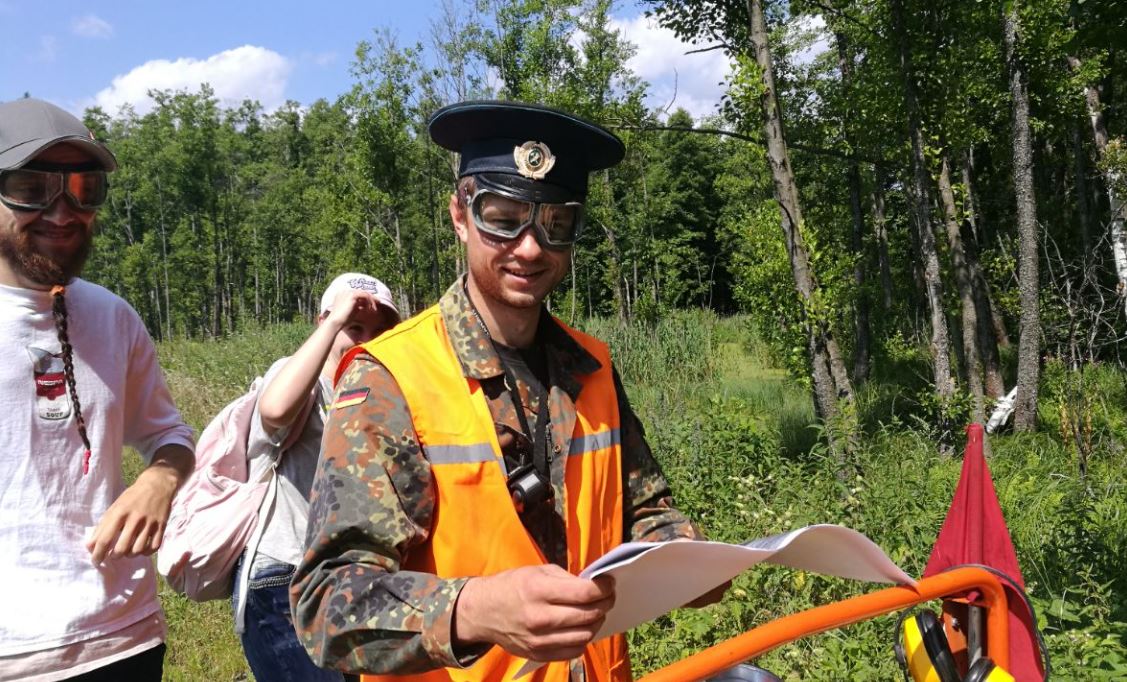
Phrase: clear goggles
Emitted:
{"points": [[503, 217], [35, 190]]}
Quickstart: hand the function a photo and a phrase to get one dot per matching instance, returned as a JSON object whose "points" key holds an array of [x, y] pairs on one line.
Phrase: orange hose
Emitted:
{"points": [[819, 619]]}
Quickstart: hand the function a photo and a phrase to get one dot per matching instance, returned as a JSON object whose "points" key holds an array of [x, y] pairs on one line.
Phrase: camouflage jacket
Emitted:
{"points": [[373, 500]]}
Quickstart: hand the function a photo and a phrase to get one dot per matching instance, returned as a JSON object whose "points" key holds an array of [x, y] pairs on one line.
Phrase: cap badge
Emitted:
{"points": [[534, 159]]}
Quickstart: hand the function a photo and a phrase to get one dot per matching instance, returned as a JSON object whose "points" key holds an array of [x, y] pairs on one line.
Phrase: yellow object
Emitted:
{"points": [[996, 674], [927, 655], [919, 663], [928, 658], [985, 670]]}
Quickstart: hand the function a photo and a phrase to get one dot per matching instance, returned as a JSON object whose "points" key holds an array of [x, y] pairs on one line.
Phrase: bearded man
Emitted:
{"points": [[79, 381]]}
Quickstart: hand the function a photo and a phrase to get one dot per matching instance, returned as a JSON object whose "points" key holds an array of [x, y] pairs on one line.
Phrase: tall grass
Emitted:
{"points": [[676, 351], [742, 455], [203, 377], [739, 444]]}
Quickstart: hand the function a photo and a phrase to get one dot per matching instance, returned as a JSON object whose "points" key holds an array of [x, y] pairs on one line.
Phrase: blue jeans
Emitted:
{"points": [[269, 640]]}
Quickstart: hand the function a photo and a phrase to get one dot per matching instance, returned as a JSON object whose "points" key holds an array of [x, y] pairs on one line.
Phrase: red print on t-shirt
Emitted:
{"points": [[51, 400]]}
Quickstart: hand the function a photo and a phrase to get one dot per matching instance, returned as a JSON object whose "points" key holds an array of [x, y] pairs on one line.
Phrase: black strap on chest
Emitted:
{"points": [[539, 437]]}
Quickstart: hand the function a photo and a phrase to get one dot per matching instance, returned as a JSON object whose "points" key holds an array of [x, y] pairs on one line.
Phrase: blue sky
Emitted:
{"points": [[76, 54]]}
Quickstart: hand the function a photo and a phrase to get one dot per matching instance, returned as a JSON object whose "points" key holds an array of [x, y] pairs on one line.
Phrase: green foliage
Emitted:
{"points": [[1114, 164], [899, 499], [221, 217], [735, 438], [677, 349], [206, 375], [225, 223], [225, 216], [1083, 408], [725, 457]]}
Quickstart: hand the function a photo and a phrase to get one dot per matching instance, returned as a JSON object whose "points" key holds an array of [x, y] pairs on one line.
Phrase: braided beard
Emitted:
{"points": [[30, 263]]}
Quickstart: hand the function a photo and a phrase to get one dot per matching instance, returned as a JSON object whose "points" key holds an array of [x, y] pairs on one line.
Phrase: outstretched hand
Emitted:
{"points": [[134, 523], [542, 613]]}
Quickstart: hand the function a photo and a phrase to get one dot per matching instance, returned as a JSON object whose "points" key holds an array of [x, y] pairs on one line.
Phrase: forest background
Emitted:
{"points": [[912, 208]]}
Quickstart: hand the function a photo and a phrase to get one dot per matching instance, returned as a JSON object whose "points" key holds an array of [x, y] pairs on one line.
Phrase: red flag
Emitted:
{"points": [[975, 532]]}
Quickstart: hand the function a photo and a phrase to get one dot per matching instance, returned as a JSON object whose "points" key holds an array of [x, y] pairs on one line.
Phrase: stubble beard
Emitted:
{"points": [[31, 264], [489, 285]]}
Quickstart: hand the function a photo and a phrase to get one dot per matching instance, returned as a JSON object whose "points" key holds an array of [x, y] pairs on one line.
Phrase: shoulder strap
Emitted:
{"points": [[243, 576], [266, 507]]}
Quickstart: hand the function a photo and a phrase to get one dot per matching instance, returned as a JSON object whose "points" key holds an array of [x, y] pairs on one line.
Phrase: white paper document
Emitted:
{"points": [[653, 578]]}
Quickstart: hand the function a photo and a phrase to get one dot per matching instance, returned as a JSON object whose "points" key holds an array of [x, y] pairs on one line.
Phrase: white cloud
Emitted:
{"points": [[324, 58], [691, 81], [246, 72], [48, 49], [91, 26], [317, 59]]}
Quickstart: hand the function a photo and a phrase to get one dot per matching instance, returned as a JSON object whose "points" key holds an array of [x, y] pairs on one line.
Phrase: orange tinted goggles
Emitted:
{"points": [[35, 190]]}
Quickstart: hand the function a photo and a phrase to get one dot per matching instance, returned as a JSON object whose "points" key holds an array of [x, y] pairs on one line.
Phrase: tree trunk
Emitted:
{"points": [[154, 296], [1029, 339], [862, 342], [880, 228], [279, 277], [933, 283], [217, 274], [983, 298], [436, 266], [831, 384], [639, 254], [574, 303], [164, 262], [1111, 183], [964, 283], [127, 225], [987, 314], [970, 210], [1083, 207], [257, 284], [229, 278]]}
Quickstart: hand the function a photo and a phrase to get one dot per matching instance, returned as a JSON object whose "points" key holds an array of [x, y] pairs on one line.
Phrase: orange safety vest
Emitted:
{"points": [[476, 530]]}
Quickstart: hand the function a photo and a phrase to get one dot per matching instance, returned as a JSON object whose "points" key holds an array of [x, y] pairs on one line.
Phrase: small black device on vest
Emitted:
{"points": [[528, 483], [528, 488]]}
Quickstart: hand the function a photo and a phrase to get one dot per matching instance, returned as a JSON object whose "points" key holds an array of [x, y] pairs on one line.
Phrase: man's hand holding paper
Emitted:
{"points": [[652, 579]]}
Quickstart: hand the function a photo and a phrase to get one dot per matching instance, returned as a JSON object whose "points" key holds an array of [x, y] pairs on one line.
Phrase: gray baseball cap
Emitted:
{"points": [[28, 126]]}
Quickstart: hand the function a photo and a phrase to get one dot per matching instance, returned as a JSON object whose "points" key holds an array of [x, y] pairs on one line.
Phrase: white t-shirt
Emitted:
{"points": [[51, 594], [283, 538]]}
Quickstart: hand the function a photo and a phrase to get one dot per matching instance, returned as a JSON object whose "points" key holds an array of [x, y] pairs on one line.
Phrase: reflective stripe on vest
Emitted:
{"points": [[476, 531]]}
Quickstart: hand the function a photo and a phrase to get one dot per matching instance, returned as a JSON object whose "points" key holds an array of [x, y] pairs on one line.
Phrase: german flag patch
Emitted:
{"points": [[350, 398]]}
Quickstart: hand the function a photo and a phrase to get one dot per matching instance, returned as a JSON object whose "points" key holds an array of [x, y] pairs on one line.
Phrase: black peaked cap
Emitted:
{"points": [[486, 132]]}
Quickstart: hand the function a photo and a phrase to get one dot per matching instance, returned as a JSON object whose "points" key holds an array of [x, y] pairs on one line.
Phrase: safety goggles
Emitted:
{"points": [[504, 218], [35, 190]]}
